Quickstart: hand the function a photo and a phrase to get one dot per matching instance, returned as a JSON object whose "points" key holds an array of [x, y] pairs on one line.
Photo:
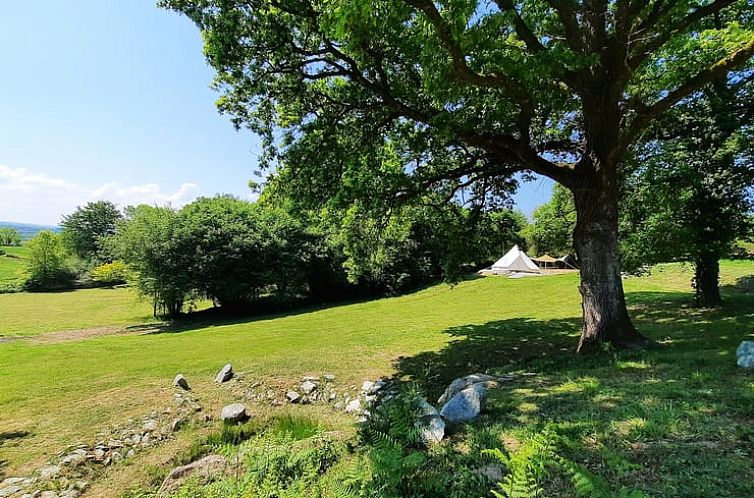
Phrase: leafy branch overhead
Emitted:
{"points": [[506, 86]]}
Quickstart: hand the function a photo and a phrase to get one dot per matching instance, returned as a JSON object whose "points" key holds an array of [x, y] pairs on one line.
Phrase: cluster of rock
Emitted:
{"points": [[745, 354], [67, 477], [462, 401], [310, 390]]}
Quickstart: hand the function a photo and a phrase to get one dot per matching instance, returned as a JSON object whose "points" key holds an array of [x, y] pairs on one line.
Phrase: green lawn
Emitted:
{"points": [[677, 421], [12, 267], [27, 314]]}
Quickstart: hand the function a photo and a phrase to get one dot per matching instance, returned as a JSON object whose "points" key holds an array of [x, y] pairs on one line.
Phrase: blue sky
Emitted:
{"points": [[106, 99]]}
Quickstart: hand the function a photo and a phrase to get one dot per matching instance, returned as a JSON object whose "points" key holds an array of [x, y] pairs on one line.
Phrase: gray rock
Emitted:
{"points": [[329, 377], [308, 387], [207, 468], [466, 405], [745, 348], [9, 491], [116, 456], [353, 406], [293, 396], [176, 424], [49, 472], [49, 494], [73, 459], [180, 381], [746, 361], [462, 383], [234, 413], [425, 409], [431, 428], [745, 354], [225, 374], [149, 426], [311, 378], [367, 386]]}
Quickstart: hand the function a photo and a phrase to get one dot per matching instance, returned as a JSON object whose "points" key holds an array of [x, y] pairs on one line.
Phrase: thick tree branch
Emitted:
{"points": [[567, 15], [463, 72], [646, 114]]}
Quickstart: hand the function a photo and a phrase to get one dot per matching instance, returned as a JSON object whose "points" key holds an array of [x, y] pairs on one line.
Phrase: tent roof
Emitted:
{"points": [[515, 260], [545, 258]]}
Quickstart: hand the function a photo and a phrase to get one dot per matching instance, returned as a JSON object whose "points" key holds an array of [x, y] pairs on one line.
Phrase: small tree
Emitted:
{"points": [[145, 239], [690, 191], [9, 237], [47, 262], [235, 250], [84, 229]]}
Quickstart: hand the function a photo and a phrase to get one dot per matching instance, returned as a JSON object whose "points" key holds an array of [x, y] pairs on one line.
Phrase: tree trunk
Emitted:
{"points": [[606, 319], [707, 281]]}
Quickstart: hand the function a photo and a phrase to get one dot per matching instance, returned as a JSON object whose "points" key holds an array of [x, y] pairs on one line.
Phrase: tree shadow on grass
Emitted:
{"points": [[677, 420], [6, 437]]}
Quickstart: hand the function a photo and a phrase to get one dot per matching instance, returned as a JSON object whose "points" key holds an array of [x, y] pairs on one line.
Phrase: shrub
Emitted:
{"points": [[47, 263], [115, 273]]}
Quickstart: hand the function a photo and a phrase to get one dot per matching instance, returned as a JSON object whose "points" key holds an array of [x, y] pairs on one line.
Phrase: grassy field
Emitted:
{"points": [[12, 266], [676, 421], [29, 314]]}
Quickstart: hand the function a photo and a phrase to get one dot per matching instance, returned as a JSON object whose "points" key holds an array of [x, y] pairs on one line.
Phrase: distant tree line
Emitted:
{"points": [[245, 255]]}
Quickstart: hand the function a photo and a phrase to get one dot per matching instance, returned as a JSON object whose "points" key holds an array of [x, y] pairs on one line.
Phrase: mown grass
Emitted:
{"points": [[13, 264], [676, 421], [29, 314]]}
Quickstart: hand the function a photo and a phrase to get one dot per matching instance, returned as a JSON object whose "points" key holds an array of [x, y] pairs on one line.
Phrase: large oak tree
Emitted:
{"points": [[467, 93]]}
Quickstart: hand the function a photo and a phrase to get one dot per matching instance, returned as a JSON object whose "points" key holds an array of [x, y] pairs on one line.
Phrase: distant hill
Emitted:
{"points": [[28, 230]]}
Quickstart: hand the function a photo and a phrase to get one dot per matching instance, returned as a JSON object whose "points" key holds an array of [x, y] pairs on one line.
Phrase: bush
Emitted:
{"points": [[115, 273], [48, 269], [9, 237]]}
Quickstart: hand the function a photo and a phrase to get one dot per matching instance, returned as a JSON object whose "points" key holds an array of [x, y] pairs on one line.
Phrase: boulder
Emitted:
{"points": [[462, 383], [225, 374], [745, 354], [234, 413], [149, 426], [745, 348], [207, 468], [329, 377], [367, 386], [431, 428], [425, 409], [746, 361], [180, 381], [293, 396], [308, 386], [466, 405]]}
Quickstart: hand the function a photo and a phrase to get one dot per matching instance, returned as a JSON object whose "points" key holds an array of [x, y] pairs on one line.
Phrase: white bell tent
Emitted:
{"points": [[515, 260]]}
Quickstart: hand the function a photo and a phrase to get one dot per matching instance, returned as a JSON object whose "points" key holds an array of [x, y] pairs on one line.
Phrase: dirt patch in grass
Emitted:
{"points": [[79, 334]]}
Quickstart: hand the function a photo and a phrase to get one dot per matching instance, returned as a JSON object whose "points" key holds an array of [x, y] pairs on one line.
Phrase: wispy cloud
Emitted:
{"points": [[28, 196]]}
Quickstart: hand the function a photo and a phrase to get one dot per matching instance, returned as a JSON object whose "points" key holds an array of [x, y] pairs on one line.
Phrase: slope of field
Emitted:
{"points": [[667, 421], [12, 267], [28, 314]]}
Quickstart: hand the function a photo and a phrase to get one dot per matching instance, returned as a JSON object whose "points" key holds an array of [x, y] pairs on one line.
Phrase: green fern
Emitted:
{"points": [[531, 464]]}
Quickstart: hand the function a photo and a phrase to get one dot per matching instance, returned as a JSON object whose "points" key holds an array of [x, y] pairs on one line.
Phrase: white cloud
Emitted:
{"points": [[26, 196]]}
